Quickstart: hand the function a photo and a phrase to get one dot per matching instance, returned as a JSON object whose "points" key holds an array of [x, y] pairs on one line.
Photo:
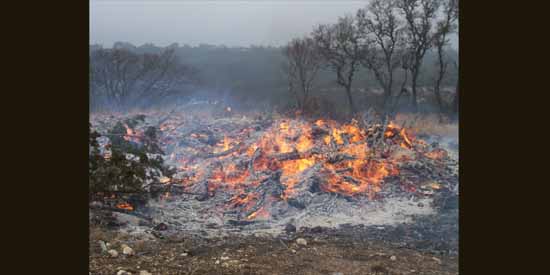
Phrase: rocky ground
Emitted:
{"points": [[346, 250]]}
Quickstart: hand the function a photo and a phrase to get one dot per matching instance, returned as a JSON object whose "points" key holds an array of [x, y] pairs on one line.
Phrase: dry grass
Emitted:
{"points": [[427, 124], [97, 233]]}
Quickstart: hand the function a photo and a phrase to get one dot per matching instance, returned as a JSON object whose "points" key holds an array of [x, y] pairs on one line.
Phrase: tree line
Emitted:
{"points": [[399, 47], [125, 78], [383, 37]]}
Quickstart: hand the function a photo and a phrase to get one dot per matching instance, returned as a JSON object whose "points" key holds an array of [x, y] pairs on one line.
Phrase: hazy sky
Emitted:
{"points": [[228, 22]]}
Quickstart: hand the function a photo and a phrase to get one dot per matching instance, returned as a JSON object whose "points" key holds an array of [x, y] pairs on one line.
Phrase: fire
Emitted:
{"points": [[336, 135], [289, 191], [407, 142], [247, 201], [435, 185], [226, 143], [393, 130], [129, 131], [125, 206], [338, 151], [107, 155], [327, 139], [355, 133], [297, 166], [223, 145], [436, 154], [250, 151], [261, 214], [131, 135], [305, 141], [358, 175], [281, 142]]}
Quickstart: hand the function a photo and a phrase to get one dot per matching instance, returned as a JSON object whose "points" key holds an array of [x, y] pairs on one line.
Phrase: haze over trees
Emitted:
{"points": [[444, 27], [126, 78], [383, 37], [380, 23], [340, 47], [390, 55], [303, 62]]}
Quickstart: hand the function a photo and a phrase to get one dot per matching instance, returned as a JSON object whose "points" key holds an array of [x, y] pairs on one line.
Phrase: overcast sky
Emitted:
{"points": [[227, 22]]}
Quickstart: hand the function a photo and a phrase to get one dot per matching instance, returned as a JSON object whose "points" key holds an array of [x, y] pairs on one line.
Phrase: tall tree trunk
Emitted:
{"points": [[389, 92], [439, 101], [295, 93], [403, 90], [389, 84], [386, 101], [304, 102], [414, 102], [350, 99]]}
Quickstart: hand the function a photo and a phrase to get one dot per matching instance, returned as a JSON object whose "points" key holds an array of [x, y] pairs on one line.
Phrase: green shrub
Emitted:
{"points": [[124, 167]]}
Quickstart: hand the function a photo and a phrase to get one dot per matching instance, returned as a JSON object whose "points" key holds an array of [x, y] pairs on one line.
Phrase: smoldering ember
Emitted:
{"points": [[334, 154]]}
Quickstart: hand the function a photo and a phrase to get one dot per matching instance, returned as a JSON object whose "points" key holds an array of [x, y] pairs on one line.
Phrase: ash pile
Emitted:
{"points": [[251, 174]]}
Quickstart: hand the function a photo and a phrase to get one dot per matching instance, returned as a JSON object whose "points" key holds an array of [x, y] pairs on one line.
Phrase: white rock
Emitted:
{"points": [[393, 258], [145, 272], [126, 250], [217, 262], [103, 246], [113, 253], [184, 254], [123, 272], [437, 260], [301, 241], [223, 258]]}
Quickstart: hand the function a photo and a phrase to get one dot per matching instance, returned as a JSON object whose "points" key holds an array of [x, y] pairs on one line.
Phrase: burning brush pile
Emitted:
{"points": [[259, 173]]}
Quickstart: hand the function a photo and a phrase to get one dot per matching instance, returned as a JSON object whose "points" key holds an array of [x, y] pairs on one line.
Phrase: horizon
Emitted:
{"points": [[220, 23]]}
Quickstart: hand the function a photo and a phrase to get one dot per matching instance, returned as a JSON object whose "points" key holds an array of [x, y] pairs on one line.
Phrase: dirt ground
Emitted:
{"points": [[323, 254]]}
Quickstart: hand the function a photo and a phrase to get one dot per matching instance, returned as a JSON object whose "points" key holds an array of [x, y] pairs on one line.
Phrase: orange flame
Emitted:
{"points": [[125, 206], [260, 213], [355, 174]]}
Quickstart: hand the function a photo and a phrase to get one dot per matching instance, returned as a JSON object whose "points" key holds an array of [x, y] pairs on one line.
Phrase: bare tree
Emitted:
{"points": [[163, 73], [380, 20], [445, 26], [406, 63], [302, 64], [110, 71], [340, 46], [290, 74], [126, 78], [420, 16]]}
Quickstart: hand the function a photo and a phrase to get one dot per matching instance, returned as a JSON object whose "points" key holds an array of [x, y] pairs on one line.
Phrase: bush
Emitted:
{"points": [[124, 168]]}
